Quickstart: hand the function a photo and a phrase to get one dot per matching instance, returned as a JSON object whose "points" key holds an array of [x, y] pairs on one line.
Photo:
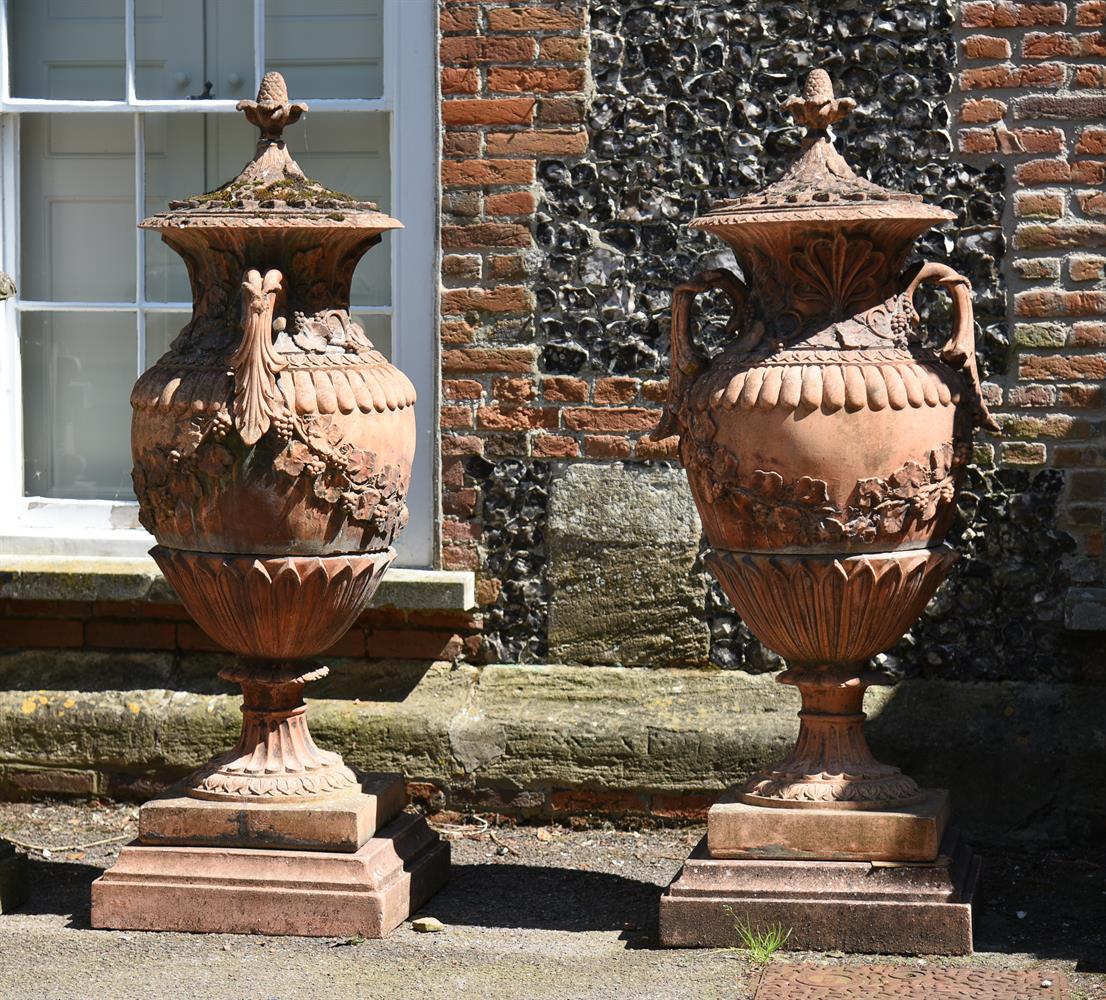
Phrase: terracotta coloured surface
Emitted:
{"points": [[272, 425], [825, 443], [828, 616], [849, 906], [339, 822], [13, 878], [865, 982], [272, 450], [738, 829], [242, 891]]}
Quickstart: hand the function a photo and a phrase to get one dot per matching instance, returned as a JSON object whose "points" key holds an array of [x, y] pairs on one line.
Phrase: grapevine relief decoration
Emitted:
{"points": [[339, 473], [260, 403]]}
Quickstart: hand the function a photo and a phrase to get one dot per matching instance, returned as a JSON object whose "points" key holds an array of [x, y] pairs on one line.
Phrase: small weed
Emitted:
{"points": [[761, 944], [350, 942]]}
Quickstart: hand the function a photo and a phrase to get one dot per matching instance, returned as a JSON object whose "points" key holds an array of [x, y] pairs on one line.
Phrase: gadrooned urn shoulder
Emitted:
{"points": [[272, 425]]}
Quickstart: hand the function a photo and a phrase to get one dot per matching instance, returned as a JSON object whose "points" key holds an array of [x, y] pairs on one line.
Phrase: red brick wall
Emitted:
{"points": [[1033, 95], [384, 633], [514, 85]]}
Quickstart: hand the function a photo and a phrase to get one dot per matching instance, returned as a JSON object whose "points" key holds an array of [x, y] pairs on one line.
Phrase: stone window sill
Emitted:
{"points": [[57, 578]]}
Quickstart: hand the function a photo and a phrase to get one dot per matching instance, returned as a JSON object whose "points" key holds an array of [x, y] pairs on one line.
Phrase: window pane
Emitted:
{"points": [[161, 330], [378, 329], [328, 48], [181, 43], [186, 155], [78, 369], [349, 152], [67, 49], [77, 194]]}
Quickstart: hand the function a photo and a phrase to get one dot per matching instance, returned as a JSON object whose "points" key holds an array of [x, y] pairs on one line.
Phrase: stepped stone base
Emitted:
{"points": [[737, 829], [13, 878], [237, 890], [850, 906], [340, 822]]}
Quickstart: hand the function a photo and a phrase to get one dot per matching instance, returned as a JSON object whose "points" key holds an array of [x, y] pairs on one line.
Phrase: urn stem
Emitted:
{"points": [[276, 755], [831, 763]]}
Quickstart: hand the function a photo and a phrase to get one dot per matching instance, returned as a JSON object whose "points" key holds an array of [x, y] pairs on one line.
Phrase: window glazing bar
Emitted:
{"points": [[42, 305], [36, 305], [40, 106], [140, 234], [258, 43], [128, 17], [5, 59]]}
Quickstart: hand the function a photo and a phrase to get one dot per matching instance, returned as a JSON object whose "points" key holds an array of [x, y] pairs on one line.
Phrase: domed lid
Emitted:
{"points": [[272, 191], [820, 186]]}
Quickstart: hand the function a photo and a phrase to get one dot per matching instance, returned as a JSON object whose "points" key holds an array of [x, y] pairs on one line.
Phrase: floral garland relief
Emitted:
{"points": [[172, 482], [772, 512]]}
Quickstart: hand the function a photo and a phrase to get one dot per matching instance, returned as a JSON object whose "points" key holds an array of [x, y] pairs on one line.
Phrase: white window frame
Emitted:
{"points": [[108, 528]]}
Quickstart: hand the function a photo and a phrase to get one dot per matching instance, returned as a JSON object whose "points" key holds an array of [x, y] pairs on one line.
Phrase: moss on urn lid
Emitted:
{"points": [[820, 186], [272, 192]]}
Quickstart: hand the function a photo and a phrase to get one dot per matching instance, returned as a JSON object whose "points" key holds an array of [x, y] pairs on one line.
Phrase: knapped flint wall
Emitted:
{"points": [[686, 108]]}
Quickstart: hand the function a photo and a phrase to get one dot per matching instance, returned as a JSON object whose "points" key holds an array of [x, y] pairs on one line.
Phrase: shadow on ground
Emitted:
{"points": [[62, 888], [1048, 904], [561, 899]]}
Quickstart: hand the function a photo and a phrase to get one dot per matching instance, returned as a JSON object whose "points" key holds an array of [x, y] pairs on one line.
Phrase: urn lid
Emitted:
{"points": [[272, 192], [820, 186]]}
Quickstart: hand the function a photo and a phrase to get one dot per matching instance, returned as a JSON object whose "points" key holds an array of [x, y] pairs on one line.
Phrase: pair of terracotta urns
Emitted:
{"points": [[272, 454]]}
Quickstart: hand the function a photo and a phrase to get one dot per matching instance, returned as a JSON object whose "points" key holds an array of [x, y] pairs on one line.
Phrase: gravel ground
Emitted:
{"points": [[530, 912]]}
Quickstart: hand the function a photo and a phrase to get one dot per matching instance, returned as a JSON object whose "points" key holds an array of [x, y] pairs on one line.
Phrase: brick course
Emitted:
{"points": [[1026, 100], [138, 625], [518, 75]]}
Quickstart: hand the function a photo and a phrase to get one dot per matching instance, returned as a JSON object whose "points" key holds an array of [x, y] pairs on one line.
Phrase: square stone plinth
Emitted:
{"points": [[242, 891], [736, 829], [849, 906], [13, 878], [341, 822]]}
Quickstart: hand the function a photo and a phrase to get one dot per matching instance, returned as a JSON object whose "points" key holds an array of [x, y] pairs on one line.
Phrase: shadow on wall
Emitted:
{"points": [[1023, 761], [90, 671]]}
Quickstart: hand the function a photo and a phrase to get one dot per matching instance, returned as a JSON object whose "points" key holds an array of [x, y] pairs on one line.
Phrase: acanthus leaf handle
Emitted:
{"points": [[255, 363], [959, 350], [688, 359]]}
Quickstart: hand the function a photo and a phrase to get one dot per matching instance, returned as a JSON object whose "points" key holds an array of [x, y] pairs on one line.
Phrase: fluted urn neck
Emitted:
{"points": [[820, 186]]}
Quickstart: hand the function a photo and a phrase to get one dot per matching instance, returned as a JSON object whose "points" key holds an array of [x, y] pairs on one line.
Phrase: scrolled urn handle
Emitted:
{"points": [[959, 350], [688, 359], [255, 363]]}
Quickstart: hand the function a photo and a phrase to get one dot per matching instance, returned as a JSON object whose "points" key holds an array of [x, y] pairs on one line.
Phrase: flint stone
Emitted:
{"points": [[1085, 609], [623, 588]]}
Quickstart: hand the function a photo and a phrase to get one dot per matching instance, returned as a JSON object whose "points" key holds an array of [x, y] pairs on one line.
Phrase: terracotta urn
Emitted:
{"points": [[824, 444], [272, 445], [272, 453]]}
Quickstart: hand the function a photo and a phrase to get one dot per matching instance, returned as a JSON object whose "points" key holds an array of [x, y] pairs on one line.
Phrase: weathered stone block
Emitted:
{"points": [[623, 543]]}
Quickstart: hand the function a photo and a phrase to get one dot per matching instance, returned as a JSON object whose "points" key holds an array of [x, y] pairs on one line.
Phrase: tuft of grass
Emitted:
{"points": [[761, 943]]}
